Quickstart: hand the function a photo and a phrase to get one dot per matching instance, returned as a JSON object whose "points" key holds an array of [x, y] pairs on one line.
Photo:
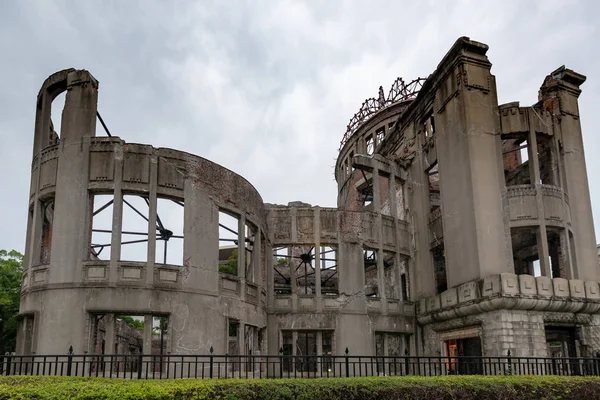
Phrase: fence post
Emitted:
{"points": [[509, 359], [8, 363], [69, 360], [347, 365], [406, 362], [140, 362], [211, 361], [281, 362]]}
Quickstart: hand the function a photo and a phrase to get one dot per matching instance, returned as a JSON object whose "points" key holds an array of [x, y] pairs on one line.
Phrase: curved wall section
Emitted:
{"points": [[82, 189]]}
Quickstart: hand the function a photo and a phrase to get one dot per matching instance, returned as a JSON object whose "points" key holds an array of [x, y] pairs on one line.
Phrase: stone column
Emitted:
{"points": [[147, 349], [319, 352], [559, 94], [376, 190], [71, 210], [292, 264], [117, 218], [392, 195], [534, 173], [242, 255], [152, 200], [317, 260], [110, 334], [257, 255], [468, 147]]}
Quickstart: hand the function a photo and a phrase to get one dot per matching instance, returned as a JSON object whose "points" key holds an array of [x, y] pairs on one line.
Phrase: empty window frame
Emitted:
{"points": [[526, 256], [228, 243], [370, 145], [300, 262], [433, 177], [515, 157], [380, 134], [287, 350], [329, 270], [282, 257], [390, 276], [160, 331], [250, 237], [439, 265], [129, 338], [47, 228], [429, 126], [56, 110], [370, 270], [134, 228], [233, 332], [169, 231], [101, 207]]}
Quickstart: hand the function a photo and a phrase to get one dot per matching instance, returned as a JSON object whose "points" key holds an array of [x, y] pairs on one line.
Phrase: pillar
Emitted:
{"points": [[468, 147], [319, 352], [117, 218], [109, 334], [147, 349], [152, 200], [242, 255], [559, 95], [317, 260], [71, 206], [534, 173]]}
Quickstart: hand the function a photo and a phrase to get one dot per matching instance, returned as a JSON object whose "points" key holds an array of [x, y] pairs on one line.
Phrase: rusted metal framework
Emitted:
{"points": [[399, 92]]}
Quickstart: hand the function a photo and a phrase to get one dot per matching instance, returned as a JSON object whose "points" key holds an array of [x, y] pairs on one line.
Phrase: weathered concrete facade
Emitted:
{"points": [[462, 227]]}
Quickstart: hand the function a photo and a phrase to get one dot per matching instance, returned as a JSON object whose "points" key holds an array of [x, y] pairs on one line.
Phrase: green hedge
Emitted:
{"points": [[439, 388]]}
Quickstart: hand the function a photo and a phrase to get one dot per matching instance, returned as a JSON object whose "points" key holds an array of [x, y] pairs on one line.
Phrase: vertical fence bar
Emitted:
{"points": [[347, 366]]}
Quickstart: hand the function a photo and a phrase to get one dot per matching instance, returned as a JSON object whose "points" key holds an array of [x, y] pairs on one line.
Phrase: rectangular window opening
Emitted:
{"points": [[160, 331], [515, 156], [56, 111], [380, 135], [390, 278], [329, 271], [129, 338], [134, 231], [439, 265], [526, 258], [250, 237], [228, 243], [370, 270], [101, 210], [47, 228], [434, 188], [169, 231], [282, 257], [370, 143]]}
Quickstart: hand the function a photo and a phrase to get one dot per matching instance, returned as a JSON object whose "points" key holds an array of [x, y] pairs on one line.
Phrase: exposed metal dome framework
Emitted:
{"points": [[400, 91]]}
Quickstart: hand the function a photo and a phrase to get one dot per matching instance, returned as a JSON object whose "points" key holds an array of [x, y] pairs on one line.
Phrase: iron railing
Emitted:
{"points": [[287, 366]]}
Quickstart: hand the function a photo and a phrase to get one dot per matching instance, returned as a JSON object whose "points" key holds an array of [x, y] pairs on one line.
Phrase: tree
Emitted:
{"points": [[11, 272], [132, 322], [231, 266]]}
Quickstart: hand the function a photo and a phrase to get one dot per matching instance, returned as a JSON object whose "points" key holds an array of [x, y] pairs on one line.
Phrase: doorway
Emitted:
{"points": [[562, 345], [464, 356]]}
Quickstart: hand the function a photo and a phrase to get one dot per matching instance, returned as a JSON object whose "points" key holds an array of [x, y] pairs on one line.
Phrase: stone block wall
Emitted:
{"points": [[521, 332]]}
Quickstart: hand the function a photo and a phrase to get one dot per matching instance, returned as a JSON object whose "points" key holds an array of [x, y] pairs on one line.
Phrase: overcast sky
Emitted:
{"points": [[267, 88]]}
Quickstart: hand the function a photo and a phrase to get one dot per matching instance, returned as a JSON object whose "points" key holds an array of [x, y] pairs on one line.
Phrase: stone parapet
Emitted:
{"points": [[508, 291]]}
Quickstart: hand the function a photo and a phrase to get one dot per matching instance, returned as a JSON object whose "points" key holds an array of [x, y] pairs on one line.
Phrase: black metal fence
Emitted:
{"points": [[287, 366]]}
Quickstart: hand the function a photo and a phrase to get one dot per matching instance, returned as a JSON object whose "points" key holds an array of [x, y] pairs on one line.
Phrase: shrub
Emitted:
{"points": [[405, 388]]}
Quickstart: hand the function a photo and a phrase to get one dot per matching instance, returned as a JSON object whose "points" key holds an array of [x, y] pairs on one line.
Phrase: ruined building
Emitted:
{"points": [[462, 227]]}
